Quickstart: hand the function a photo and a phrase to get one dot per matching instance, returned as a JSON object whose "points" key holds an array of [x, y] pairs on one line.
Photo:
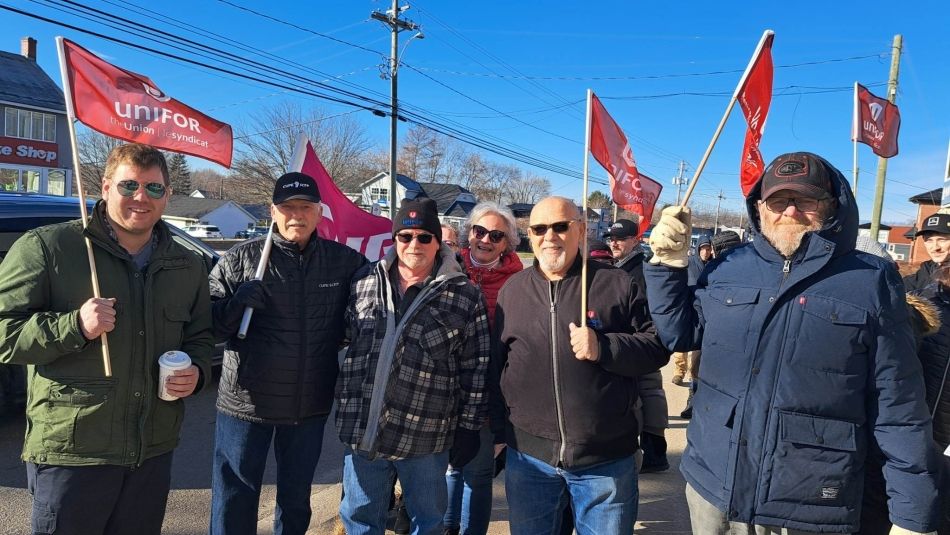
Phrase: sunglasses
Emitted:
{"points": [[450, 243], [424, 239], [127, 188], [803, 204], [494, 235], [559, 228]]}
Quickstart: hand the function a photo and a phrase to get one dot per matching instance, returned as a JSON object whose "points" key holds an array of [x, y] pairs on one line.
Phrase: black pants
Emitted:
{"points": [[99, 500]]}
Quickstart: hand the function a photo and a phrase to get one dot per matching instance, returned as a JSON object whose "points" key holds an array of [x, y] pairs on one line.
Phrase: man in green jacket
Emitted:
{"points": [[99, 449]]}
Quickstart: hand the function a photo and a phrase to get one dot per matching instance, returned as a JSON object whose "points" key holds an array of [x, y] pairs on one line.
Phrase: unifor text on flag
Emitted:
{"points": [[629, 189], [129, 106], [754, 98], [876, 123]]}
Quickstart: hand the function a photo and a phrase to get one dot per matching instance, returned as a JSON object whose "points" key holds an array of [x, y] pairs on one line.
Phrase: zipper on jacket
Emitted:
{"points": [[301, 357], [786, 268], [557, 383]]}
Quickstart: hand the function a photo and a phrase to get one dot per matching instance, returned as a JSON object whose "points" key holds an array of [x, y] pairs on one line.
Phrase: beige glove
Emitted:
{"points": [[897, 530], [670, 237]]}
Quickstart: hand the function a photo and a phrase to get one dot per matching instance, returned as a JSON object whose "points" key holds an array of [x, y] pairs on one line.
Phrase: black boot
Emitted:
{"points": [[688, 411], [401, 524], [654, 453]]}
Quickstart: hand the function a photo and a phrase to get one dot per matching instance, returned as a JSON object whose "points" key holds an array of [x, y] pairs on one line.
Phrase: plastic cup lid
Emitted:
{"points": [[174, 359]]}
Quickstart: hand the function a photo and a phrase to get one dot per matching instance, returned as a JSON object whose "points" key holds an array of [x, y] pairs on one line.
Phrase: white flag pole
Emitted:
{"points": [[296, 164], [722, 123], [583, 322], [77, 170], [855, 125]]}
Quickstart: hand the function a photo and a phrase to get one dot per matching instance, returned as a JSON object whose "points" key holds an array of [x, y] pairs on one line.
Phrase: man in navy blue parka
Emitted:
{"points": [[808, 360]]}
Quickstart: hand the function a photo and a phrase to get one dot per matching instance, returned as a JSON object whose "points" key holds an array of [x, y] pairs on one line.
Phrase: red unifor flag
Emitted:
{"points": [[876, 122], [631, 190], [343, 221], [129, 106], [754, 98]]}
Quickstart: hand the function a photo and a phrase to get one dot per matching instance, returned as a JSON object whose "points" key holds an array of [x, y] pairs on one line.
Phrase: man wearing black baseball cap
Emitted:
{"points": [[277, 383], [809, 366], [935, 233]]}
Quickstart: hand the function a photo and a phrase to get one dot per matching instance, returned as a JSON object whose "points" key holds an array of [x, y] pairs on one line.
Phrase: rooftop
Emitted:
{"points": [[23, 82]]}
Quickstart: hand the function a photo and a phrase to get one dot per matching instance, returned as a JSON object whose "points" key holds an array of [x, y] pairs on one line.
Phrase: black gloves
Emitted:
{"points": [[252, 293], [464, 448]]}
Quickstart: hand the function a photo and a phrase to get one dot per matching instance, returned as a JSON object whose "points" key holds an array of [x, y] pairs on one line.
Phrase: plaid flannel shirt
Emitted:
{"points": [[437, 380]]}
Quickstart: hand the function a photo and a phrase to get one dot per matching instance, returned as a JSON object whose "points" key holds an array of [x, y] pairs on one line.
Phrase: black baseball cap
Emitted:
{"points": [[622, 228], [936, 223], [803, 172], [292, 186]]}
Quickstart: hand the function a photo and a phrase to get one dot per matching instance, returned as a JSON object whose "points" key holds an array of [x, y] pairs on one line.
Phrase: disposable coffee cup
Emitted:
{"points": [[168, 363]]}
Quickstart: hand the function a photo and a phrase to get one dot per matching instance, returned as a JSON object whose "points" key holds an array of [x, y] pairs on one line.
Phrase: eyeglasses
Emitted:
{"points": [[617, 238], [424, 239], [802, 204], [494, 235], [559, 228], [450, 243], [127, 188]]}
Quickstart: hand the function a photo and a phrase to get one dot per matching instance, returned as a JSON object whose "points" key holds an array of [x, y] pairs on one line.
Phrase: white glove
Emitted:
{"points": [[897, 530], [670, 237]]}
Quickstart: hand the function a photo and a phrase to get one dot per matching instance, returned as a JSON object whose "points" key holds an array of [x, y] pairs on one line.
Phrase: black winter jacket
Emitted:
{"points": [[934, 353], [922, 277], [564, 411], [285, 369]]}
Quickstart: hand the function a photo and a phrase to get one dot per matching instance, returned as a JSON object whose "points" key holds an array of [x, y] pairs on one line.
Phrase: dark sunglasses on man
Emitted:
{"points": [[424, 239], [494, 235], [127, 188], [559, 227]]}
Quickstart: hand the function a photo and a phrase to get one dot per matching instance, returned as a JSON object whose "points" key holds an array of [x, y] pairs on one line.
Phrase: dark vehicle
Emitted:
{"points": [[251, 233], [20, 212]]}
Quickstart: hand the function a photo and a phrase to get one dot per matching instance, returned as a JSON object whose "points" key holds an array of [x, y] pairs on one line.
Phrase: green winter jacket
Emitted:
{"points": [[75, 415]]}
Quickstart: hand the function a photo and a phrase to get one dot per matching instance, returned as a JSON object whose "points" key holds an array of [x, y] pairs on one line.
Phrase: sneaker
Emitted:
{"points": [[402, 525], [450, 531], [678, 380]]}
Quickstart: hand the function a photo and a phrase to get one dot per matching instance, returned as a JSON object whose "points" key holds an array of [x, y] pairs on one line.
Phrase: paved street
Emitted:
{"points": [[662, 505]]}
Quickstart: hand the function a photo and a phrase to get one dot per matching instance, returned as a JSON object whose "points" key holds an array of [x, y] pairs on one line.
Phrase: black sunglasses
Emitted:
{"points": [[127, 188], [424, 239], [802, 204], [560, 227], [494, 235]]}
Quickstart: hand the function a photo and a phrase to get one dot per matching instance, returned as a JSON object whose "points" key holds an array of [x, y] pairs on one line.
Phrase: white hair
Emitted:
{"points": [[489, 207]]}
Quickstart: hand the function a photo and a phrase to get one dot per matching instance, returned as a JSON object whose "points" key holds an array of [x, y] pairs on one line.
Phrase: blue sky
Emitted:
{"points": [[495, 66]]}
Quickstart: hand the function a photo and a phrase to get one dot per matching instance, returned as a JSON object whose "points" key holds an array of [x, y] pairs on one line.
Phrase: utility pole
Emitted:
{"points": [[396, 25], [882, 162], [679, 180], [719, 198]]}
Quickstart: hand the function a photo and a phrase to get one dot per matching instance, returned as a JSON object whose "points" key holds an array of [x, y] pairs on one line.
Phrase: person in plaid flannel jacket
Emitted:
{"points": [[412, 391]]}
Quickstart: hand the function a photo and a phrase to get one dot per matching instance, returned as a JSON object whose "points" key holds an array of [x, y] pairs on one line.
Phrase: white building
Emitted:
{"points": [[230, 217]]}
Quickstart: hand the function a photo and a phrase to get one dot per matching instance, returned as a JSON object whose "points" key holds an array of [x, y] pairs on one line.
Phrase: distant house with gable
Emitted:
{"points": [[228, 216], [454, 202]]}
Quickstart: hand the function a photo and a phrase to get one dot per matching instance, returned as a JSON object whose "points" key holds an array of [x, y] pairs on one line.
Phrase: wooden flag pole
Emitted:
{"points": [[296, 164], [583, 322], [722, 122], [71, 123], [854, 139]]}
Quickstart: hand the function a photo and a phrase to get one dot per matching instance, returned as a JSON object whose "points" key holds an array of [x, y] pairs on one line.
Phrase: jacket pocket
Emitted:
{"points": [[79, 417], [173, 325], [165, 423], [727, 322], [710, 431], [830, 336], [815, 461]]}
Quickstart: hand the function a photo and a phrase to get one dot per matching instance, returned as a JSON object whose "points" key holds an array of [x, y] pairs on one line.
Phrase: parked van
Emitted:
{"points": [[204, 231]]}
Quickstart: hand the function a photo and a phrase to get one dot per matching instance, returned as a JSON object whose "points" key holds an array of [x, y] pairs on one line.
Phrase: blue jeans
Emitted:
{"points": [[368, 485], [470, 489], [603, 496], [240, 455]]}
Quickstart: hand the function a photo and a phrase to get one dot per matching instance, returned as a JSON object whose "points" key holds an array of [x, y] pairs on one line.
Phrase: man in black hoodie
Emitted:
{"points": [[570, 389], [935, 233]]}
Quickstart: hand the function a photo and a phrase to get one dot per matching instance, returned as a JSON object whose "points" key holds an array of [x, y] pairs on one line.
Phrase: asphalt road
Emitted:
{"points": [[662, 504]]}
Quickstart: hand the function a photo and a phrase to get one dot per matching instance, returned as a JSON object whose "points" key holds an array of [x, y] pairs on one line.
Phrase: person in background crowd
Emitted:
{"points": [[569, 390], [930, 315], [490, 259], [411, 396], [450, 237], [809, 363], [98, 450], [722, 243], [277, 383], [599, 251], [935, 233], [624, 239]]}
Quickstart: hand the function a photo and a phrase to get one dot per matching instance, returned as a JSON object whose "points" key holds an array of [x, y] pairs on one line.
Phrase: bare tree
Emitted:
{"points": [[266, 143], [211, 182], [528, 189], [94, 149]]}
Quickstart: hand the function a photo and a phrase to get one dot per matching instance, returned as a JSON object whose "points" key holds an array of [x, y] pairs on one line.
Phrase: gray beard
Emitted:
{"points": [[787, 238]]}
